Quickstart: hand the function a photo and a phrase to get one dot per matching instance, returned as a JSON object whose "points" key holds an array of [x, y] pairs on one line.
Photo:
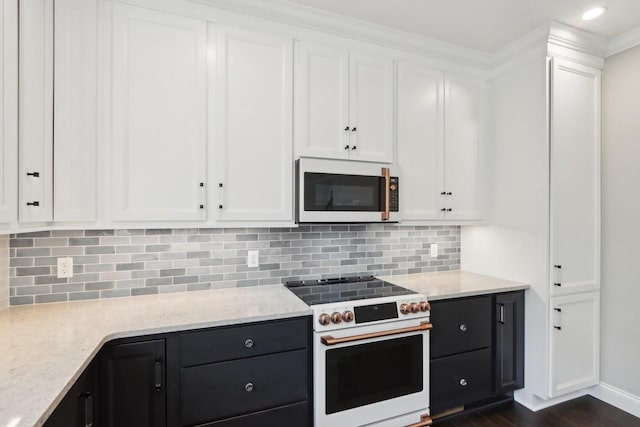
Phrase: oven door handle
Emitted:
{"points": [[328, 340], [386, 214], [425, 421]]}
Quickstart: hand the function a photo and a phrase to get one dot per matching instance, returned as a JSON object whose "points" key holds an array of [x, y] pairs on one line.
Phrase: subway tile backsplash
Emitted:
{"points": [[117, 263], [4, 271]]}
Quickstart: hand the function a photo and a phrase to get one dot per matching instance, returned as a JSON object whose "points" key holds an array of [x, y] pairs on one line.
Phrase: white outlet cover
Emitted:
{"points": [[65, 268], [434, 250], [253, 259]]}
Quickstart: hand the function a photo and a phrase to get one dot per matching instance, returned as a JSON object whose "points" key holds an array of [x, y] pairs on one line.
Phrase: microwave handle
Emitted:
{"points": [[386, 173]]}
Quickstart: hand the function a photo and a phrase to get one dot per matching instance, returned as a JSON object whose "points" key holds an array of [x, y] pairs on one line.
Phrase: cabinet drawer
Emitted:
{"points": [[227, 389], [460, 325], [199, 348], [460, 379], [291, 415]]}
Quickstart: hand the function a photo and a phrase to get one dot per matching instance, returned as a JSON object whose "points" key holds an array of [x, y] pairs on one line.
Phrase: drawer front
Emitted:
{"points": [[227, 389], [298, 415], [460, 326], [216, 345], [460, 380]]}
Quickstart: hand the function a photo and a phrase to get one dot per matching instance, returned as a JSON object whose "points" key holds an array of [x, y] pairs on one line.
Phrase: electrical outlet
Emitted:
{"points": [[65, 268], [434, 250], [253, 259]]}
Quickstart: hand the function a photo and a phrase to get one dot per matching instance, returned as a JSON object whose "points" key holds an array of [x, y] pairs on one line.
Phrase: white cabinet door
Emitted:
{"points": [[575, 335], [253, 125], [575, 177], [420, 141], [36, 111], [371, 107], [462, 147], [8, 110], [75, 107], [159, 92], [322, 101]]}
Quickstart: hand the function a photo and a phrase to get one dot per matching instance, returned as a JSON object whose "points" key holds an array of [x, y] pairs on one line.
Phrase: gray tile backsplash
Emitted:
{"points": [[4, 271], [117, 263]]}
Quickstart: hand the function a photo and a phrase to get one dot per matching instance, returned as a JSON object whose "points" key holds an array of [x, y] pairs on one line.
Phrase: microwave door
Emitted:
{"points": [[343, 192]]}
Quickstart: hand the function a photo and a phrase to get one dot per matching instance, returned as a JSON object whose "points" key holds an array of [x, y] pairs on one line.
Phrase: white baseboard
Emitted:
{"points": [[616, 397], [534, 403]]}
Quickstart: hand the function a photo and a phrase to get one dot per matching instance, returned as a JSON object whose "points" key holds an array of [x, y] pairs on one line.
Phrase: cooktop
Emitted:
{"points": [[341, 289]]}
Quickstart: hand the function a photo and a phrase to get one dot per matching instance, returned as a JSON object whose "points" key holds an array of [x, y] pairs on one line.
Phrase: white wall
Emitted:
{"points": [[4, 271], [620, 314], [513, 246]]}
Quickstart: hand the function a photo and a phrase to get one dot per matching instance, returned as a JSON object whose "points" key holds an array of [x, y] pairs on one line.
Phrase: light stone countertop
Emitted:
{"points": [[453, 284], [44, 348]]}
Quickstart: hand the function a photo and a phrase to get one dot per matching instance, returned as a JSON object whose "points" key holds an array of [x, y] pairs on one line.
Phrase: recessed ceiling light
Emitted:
{"points": [[593, 13]]}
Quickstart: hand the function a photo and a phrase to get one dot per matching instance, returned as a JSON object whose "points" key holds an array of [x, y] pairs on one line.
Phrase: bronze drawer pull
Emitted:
{"points": [[329, 340], [425, 421]]}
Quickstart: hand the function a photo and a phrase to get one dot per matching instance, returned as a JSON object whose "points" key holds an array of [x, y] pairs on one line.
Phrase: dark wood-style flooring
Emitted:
{"points": [[582, 412]]}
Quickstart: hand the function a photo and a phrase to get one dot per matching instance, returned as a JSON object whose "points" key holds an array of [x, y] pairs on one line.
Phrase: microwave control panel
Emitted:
{"points": [[394, 202]]}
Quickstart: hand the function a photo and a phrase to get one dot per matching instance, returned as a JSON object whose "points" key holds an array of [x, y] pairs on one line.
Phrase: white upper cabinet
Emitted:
{"points": [[371, 107], [253, 124], [463, 99], [420, 141], [575, 177], [575, 342], [438, 144], [322, 101], [344, 104], [75, 104], [8, 110], [159, 115], [36, 111]]}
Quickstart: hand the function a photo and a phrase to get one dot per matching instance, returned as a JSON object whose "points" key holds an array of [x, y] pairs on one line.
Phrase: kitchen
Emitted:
{"points": [[262, 212]]}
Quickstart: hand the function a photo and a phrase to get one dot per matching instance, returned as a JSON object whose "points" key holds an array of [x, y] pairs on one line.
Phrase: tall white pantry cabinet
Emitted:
{"points": [[545, 214]]}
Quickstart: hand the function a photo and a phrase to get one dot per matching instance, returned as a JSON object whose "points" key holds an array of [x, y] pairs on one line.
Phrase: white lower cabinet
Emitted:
{"points": [[159, 115], [252, 125], [575, 342]]}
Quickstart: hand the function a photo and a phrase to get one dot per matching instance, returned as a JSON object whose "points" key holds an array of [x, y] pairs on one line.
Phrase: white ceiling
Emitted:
{"points": [[485, 25]]}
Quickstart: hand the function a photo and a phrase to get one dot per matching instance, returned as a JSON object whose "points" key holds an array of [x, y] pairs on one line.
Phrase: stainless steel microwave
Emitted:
{"points": [[339, 191]]}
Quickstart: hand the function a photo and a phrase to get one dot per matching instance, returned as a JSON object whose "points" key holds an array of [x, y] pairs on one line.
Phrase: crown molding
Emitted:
{"points": [[624, 42], [576, 39], [319, 20], [554, 35]]}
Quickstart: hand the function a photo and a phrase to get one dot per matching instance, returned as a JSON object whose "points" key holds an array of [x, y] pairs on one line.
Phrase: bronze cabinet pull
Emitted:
{"points": [[387, 194], [328, 340]]}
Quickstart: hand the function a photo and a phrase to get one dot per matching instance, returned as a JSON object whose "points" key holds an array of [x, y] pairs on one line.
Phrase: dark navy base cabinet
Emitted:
{"points": [[132, 385], [253, 374], [477, 349], [79, 407]]}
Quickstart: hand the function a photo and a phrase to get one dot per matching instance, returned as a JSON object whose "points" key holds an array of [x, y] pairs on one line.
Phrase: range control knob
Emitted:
{"points": [[324, 319], [347, 316], [336, 317], [415, 307], [404, 308], [424, 306]]}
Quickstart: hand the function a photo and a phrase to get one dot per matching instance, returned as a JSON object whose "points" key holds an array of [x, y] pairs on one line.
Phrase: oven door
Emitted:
{"points": [[367, 381], [340, 191]]}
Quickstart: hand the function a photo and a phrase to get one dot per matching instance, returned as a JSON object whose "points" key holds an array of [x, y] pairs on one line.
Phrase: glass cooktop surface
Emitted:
{"points": [[325, 291]]}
